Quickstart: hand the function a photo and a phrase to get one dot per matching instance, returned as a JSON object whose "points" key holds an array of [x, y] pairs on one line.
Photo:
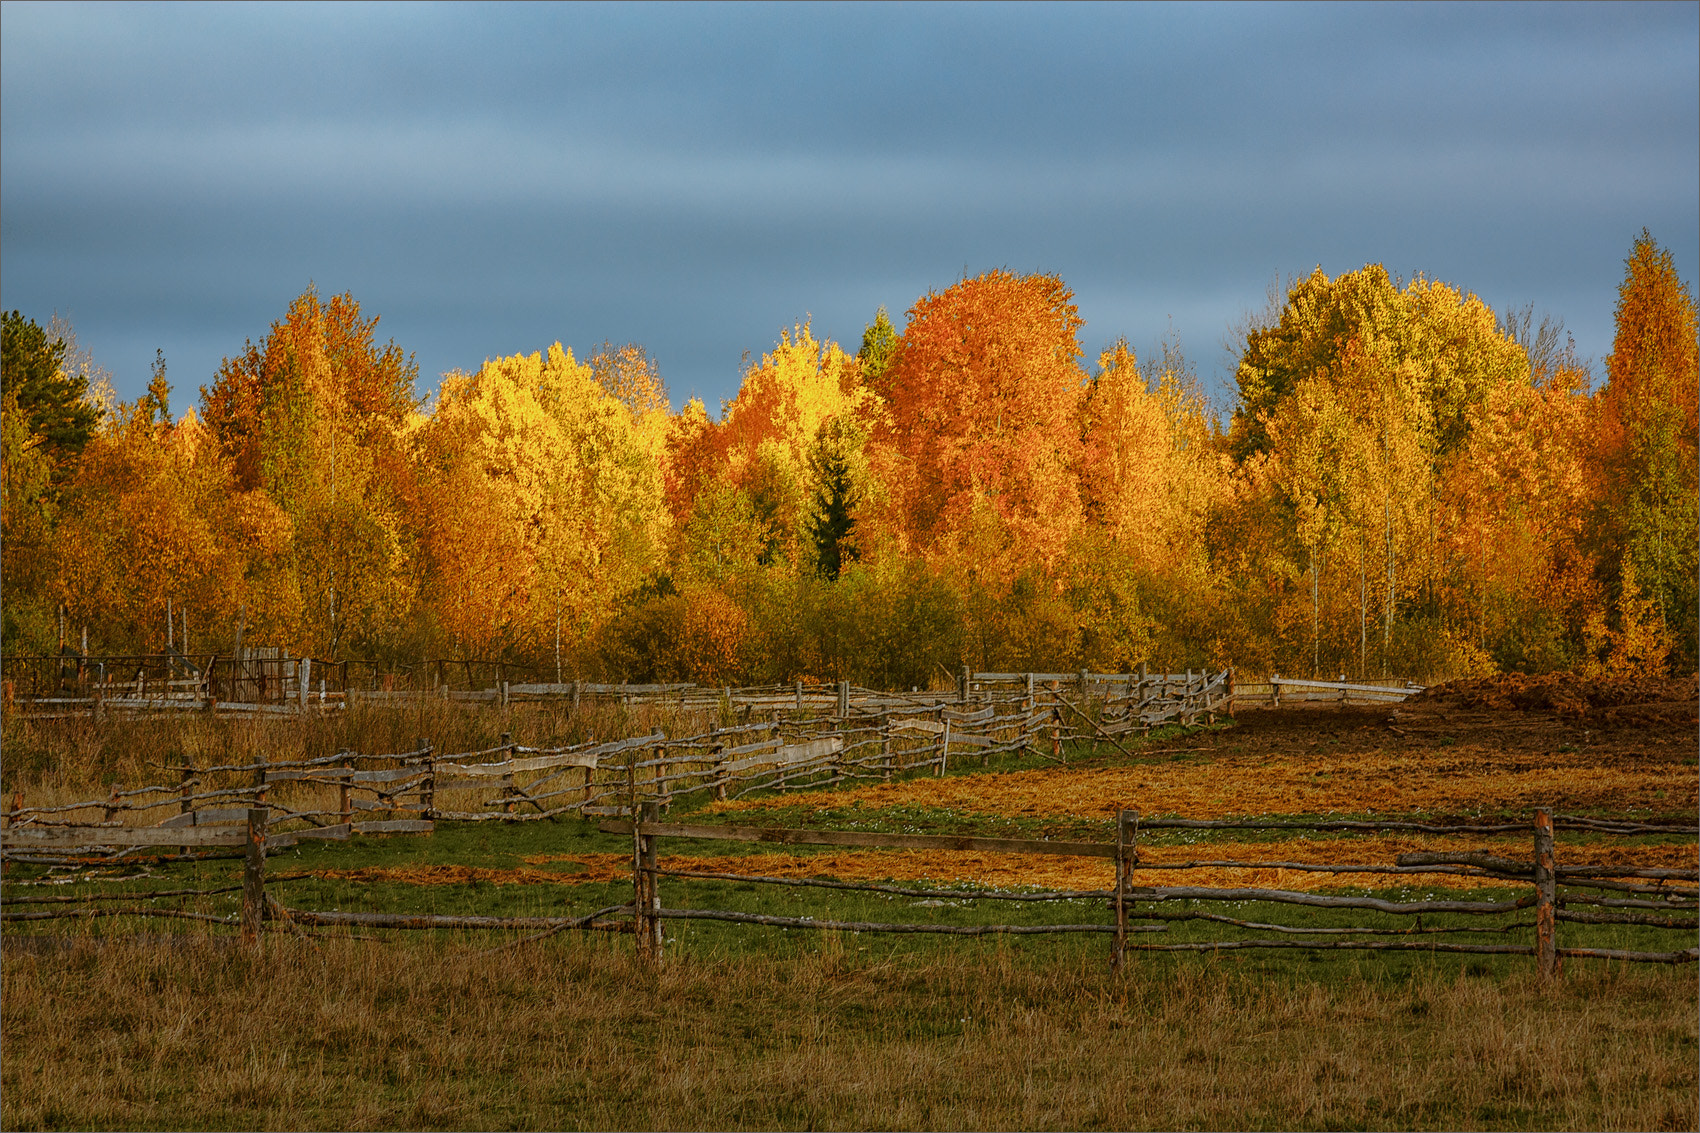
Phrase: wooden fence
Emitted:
{"points": [[265, 681], [256, 682], [1592, 895]]}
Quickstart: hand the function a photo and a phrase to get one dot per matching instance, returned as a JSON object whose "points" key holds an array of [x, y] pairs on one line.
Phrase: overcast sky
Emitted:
{"points": [[492, 179]]}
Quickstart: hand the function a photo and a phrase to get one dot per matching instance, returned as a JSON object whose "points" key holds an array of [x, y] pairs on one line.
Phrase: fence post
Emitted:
{"points": [[843, 699], [428, 796], [799, 696], [345, 794], [303, 681], [663, 790], [254, 876], [1027, 700], [1127, 856], [186, 805], [963, 680], [508, 776], [885, 748], [1274, 690], [944, 745], [1546, 897]]}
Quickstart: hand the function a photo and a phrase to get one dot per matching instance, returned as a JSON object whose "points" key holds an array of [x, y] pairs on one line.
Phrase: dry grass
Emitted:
{"points": [[1465, 779], [58, 761], [575, 1033]]}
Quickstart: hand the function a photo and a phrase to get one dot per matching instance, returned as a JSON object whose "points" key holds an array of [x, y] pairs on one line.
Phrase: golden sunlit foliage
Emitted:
{"points": [[1406, 485]]}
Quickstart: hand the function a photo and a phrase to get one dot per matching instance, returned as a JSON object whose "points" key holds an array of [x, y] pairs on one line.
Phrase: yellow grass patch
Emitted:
{"points": [[1451, 780], [1044, 871]]}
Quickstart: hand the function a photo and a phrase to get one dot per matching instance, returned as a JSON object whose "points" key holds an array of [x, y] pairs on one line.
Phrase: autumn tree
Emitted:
{"points": [[1152, 471], [1356, 396], [316, 416], [762, 445], [1648, 431], [150, 535], [557, 505], [982, 393]]}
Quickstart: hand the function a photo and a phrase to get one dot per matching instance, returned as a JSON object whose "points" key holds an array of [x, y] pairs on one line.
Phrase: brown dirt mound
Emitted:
{"points": [[1567, 694]]}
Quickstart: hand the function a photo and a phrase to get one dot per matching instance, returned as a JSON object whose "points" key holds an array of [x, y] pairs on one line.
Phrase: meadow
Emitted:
{"points": [[138, 1024]]}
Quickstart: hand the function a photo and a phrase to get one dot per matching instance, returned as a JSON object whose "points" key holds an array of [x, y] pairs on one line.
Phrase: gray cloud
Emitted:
{"points": [[490, 179]]}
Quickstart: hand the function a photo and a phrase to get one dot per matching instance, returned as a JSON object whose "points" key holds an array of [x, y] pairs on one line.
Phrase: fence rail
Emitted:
{"points": [[267, 682], [1135, 909]]}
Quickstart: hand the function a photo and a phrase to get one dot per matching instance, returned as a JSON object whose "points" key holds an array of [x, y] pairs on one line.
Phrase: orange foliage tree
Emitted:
{"points": [[982, 392], [1646, 532]]}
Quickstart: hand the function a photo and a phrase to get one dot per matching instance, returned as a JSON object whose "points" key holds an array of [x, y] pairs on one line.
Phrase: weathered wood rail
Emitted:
{"points": [[1679, 905], [1133, 908], [267, 682]]}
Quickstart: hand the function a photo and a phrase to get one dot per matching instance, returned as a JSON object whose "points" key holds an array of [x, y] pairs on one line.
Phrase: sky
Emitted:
{"points": [[491, 179]]}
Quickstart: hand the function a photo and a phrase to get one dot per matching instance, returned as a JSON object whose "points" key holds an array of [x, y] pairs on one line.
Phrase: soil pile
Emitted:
{"points": [[1626, 700]]}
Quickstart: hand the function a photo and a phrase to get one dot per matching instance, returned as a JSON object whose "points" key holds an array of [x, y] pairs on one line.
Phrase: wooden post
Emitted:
{"points": [[428, 794], [1027, 701], [254, 876], [1056, 736], [1127, 856], [885, 749], [508, 776], [185, 804], [962, 682], [648, 889], [843, 699], [345, 794], [303, 681], [662, 790], [799, 696], [944, 746], [1274, 690], [504, 695], [1546, 897]]}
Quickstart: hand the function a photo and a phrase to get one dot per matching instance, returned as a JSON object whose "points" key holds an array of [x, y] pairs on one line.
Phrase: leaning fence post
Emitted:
{"points": [[1546, 897], [944, 745], [254, 876], [1127, 856]]}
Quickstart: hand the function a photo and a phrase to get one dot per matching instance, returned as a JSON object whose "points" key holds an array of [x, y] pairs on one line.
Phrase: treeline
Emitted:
{"points": [[1407, 484]]}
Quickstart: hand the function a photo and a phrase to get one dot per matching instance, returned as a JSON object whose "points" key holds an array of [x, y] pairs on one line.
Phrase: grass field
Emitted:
{"points": [[127, 1023]]}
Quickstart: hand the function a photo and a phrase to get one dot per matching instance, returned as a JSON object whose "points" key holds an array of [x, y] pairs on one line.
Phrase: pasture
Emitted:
{"points": [[131, 1023]]}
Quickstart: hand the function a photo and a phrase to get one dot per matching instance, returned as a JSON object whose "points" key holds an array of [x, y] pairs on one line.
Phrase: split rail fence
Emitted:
{"points": [[1618, 894], [265, 681], [876, 737]]}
